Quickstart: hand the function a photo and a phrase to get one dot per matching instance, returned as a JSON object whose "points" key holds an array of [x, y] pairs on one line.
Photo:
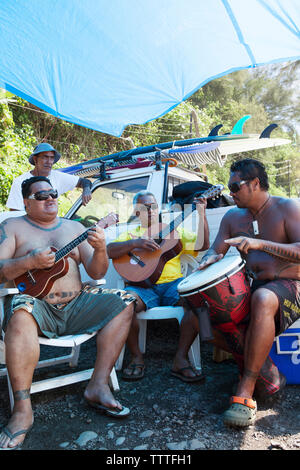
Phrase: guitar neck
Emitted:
{"points": [[208, 194], [70, 246], [163, 234]]}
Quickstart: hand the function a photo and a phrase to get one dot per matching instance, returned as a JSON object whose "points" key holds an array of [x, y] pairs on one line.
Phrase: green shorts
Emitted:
{"points": [[89, 311]]}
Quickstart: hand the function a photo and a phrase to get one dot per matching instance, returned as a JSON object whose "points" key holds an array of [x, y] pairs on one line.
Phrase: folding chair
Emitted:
{"points": [[162, 313]]}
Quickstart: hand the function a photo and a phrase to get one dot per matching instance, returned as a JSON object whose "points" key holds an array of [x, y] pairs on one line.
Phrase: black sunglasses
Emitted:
{"points": [[236, 186], [44, 195], [149, 207]]}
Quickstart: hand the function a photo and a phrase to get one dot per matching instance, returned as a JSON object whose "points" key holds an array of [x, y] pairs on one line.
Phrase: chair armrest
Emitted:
{"points": [[8, 291]]}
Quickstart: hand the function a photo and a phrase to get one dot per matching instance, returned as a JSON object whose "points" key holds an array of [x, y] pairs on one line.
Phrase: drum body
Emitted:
{"points": [[226, 289]]}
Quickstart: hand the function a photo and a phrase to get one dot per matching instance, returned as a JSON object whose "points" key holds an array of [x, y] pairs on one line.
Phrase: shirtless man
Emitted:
{"points": [[24, 245], [164, 291], [266, 231]]}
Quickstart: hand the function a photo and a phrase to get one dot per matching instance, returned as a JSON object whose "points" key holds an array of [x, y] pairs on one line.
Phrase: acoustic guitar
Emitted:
{"points": [[38, 282], [141, 267]]}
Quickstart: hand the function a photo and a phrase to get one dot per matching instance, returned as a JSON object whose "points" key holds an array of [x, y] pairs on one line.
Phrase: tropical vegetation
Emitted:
{"points": [[269, 94]]}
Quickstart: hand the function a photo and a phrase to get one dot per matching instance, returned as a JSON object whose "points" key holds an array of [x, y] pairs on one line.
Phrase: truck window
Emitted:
{"points": [[115, 196], [173, 181]]}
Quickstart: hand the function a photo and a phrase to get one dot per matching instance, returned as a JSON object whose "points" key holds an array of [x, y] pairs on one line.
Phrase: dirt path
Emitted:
{"points": [[166, 413]]}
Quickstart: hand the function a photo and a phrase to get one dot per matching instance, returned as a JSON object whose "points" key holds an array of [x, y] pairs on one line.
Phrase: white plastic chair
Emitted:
{"points": [[162, 313], [71, 341]]}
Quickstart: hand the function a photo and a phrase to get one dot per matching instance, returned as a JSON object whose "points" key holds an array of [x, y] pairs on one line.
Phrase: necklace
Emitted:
{"points": [[254, 222]]}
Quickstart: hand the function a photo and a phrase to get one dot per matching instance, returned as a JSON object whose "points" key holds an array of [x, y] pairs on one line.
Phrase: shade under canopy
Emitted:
{"points": [[107, 64]]}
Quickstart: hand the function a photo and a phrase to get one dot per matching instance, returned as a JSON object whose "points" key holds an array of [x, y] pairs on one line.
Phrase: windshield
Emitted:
{"points": [[116, 197]]}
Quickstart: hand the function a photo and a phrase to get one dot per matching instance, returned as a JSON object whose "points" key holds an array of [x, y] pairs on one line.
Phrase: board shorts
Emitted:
{"points": [[288, 294], [158, 295], [88, 312]]}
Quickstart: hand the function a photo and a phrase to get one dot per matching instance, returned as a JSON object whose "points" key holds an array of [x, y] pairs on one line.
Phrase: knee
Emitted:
{"points": [[128, 312], [17, 323], [138, 304], [263, 303]]}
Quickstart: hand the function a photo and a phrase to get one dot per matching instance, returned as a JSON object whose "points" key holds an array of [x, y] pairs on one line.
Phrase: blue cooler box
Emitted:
{"points": [[285, 353]]}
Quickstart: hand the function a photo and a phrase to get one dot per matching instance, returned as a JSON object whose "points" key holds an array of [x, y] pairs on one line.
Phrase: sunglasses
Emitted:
{"points": [[236, 186], [44, 195], [149, 207]]}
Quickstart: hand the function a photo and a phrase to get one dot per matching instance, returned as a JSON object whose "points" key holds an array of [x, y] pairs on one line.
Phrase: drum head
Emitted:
{"points": [[210, 276]]}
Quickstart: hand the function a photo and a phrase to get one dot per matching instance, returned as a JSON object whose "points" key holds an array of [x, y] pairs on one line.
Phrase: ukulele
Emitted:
{"points": [[38, 282], [141, 267]]}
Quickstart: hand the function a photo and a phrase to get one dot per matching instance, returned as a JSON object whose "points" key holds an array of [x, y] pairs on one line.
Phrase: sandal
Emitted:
{"points": [[12, 436], [185, 378], [241, 413], [134, 376], [114, 412]]}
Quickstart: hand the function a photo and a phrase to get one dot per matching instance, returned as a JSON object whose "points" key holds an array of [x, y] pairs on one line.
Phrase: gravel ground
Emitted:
{"points": [[166, 414]]}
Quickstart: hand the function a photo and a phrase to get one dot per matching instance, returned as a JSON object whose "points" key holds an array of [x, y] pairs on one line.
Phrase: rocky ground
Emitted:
{"points": [[166, 414]]}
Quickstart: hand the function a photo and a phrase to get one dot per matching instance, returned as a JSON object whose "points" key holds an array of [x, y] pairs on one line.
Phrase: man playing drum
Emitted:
{"points": [[266, 231]]}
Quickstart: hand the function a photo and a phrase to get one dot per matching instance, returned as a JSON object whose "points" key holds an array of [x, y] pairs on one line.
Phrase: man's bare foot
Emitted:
{"points": [[20, 421], [101, 393], [100, 397]]}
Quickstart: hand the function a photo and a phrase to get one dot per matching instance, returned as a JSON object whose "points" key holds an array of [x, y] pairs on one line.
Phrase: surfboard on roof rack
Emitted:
{"points": [[212, 149]]}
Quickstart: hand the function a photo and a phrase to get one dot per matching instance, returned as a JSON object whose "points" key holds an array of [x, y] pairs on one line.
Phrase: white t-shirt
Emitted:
{"points": [[63, 182]]}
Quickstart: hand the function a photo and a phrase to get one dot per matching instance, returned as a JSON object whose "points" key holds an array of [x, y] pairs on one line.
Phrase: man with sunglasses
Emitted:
{"points": [[164, 291], [43, 158], [266, 231], [68, 308]]}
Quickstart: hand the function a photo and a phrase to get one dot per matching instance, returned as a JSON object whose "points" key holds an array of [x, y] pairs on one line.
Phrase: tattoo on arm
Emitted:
{"points": [[286, 253], [3, 235], [84, 183]]}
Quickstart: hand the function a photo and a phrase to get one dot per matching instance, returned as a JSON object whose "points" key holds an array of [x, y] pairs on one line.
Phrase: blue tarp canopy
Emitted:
{"points": [[104, 64]]}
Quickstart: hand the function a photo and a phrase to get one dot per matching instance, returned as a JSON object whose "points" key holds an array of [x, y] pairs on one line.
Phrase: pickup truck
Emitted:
{"points": [[115, 185]]}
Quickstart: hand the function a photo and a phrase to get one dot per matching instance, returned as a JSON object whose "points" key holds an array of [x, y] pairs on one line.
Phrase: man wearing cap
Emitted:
{"points": [[43, 158]]}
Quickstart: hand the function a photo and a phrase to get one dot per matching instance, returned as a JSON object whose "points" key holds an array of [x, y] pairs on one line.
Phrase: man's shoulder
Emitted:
{"points": [[62, 175], [234, 212], [12, 222], [24, 176], [286, 204]]}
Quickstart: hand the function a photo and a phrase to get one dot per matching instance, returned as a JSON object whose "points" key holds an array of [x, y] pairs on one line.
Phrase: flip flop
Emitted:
{"points": [[115, 412], [178, 373], [133, 376], [11, 436], [241, 413]]}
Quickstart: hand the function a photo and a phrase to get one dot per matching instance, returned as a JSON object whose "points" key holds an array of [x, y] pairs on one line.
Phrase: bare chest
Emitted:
{"points": [[31, 238], [270, 226]]}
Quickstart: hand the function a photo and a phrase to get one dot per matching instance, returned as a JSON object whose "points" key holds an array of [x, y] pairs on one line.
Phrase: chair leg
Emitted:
{"points": [[142, 335], [113, 380], [194, 354], [10, 393], [75, 356]]}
